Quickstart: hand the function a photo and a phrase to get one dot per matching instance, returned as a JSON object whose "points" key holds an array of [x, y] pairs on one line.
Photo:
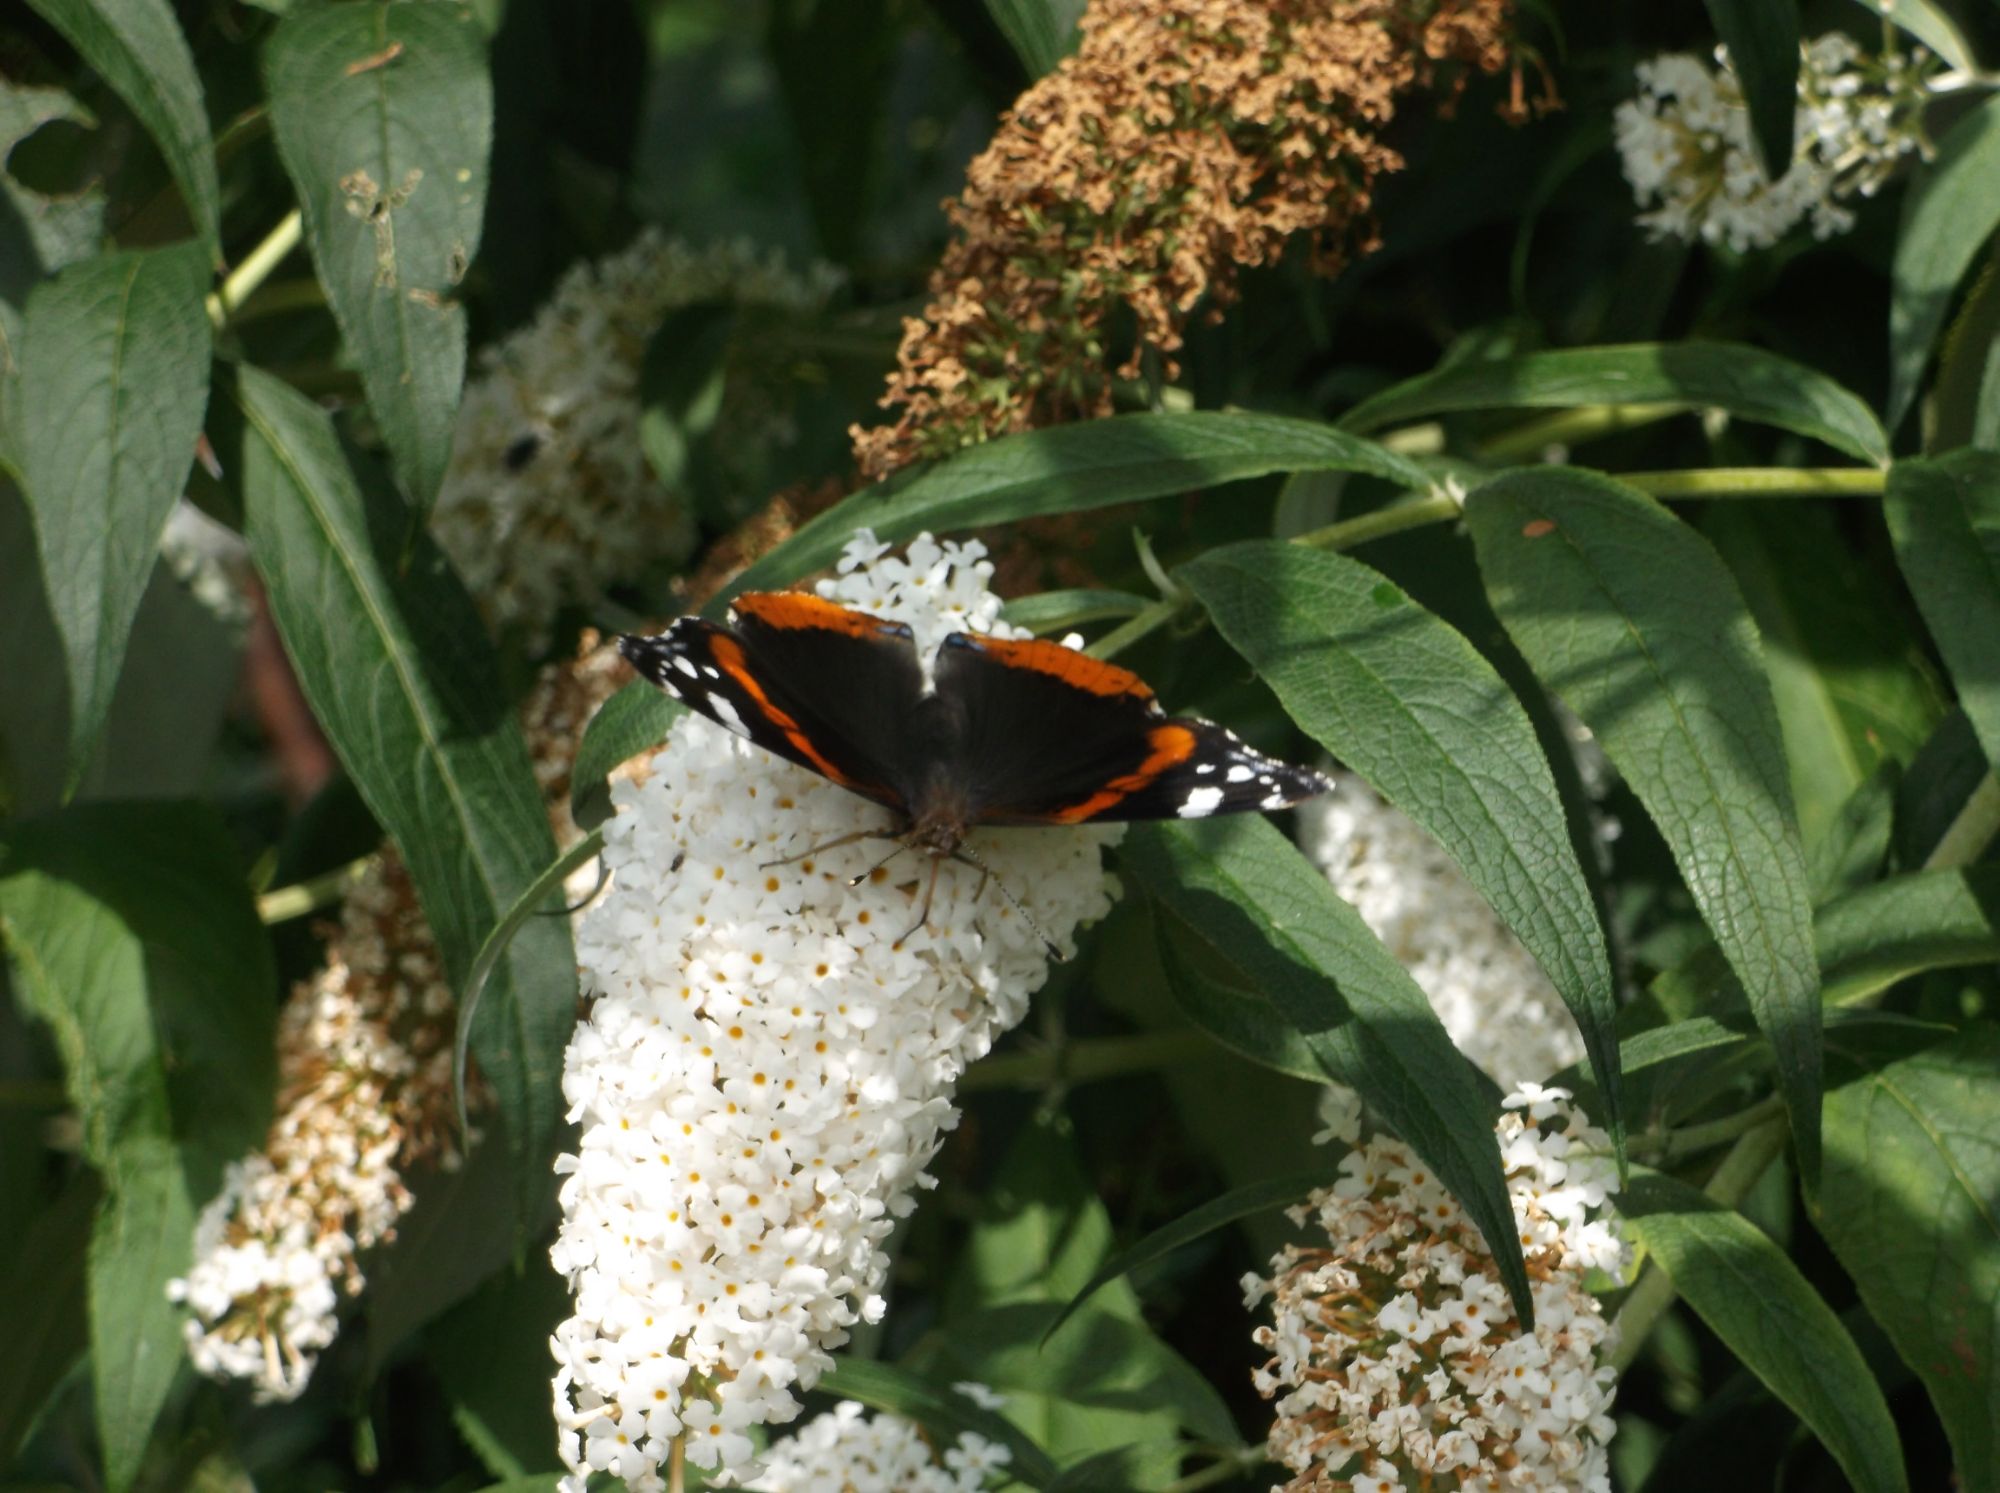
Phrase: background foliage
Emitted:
{"points": [[1738, 513]]}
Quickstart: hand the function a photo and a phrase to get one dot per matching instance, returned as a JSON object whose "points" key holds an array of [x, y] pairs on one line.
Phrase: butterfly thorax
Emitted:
{"points": [[940, 813]]}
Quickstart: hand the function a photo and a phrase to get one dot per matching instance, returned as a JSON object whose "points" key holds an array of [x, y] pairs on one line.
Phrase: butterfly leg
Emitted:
{"points": [[923, 916]]}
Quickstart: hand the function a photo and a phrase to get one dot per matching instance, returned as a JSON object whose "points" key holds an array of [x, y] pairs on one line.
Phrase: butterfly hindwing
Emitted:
{"points": [[1048, 735]]}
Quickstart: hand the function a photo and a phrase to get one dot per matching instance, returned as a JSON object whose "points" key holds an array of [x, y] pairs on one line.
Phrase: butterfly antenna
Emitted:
{"points": [[860, 834], [964, 853]]}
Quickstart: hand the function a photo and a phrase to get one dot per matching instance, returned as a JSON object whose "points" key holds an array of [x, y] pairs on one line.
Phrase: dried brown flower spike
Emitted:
{"points": [[1183, 140]]}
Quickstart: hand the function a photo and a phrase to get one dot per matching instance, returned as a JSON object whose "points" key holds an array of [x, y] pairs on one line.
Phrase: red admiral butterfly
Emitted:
{"points": [[1004, 731]]}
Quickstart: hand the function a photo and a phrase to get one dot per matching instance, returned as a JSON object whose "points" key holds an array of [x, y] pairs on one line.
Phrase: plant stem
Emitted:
{"points": [[1760, 482], [1126, 633], [1729, 1185], [1085, 1061], [256, 267], [1415, 514], [677, 1461], [1968, 835], [1234, 1464], [323, 890], [1567, 427], [1690, 1139]]}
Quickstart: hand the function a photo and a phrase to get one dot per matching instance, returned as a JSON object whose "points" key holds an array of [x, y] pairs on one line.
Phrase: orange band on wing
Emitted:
{"points": [[729, 656], [1171, 745], [795, 609], [1066, 664]]}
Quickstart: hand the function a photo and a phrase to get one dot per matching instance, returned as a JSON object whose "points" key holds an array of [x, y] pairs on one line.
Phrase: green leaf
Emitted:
{"points": [[159, 989], [1850, 685], [144, 1237], [1746, 381], [491, 1354], [114, 381], [1072, 469], [1741, 1284], [384, 120], [1246, 890], [1106, 1384], [1216, 1213], [1049, 612], [1867, 941], [1928, 22], [463, 1228], [1850, 852], [1109, 1383], [159, 992], [1403, 699], [920, 1398], [1237, 1017], [1629, 617], [1908, 1205], [1041, 32], [1064, 469], [45, 1329], [1763, 41], [395, 665], [681, 383], [1883, 934], [55, 228], [634, 720], [1967, 394], [1944, 515], [1948, 214], [136, 46]]}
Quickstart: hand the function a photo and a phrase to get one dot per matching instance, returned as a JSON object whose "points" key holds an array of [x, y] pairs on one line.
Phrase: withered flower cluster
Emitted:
{"points": [[364, 1101], [1182, 141]]}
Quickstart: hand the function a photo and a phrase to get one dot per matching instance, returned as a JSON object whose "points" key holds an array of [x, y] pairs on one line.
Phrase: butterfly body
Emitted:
{"points": [[998, 731]]}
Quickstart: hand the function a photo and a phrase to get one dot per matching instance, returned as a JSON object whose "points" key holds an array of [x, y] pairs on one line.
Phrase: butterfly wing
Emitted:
{"points": [[819, 684], [1048, 735]]}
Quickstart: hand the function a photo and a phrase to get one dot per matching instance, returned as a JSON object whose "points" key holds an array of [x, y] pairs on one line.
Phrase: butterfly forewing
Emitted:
{"points": [[823, 686]]}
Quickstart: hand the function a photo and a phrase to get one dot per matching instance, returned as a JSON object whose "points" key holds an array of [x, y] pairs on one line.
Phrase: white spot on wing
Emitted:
{"points": [[685, 665], [726, 714], [1200, 801], [1240, 774]]}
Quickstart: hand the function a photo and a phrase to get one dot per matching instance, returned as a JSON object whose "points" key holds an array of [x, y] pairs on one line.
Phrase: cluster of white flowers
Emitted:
{"points": [[210, 559], [364, 1060], [768, 1065], [1397, 1359], [1492, 997], [844, 1449], [549, 498], [1686, 146]]}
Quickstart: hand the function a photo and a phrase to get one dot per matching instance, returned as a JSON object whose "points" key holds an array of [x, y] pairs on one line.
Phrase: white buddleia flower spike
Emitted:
{"points": [[767, 1068], [845, 1448], [550, 498], [1685, 143], [1396, 1359], [1495, 1002]]}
